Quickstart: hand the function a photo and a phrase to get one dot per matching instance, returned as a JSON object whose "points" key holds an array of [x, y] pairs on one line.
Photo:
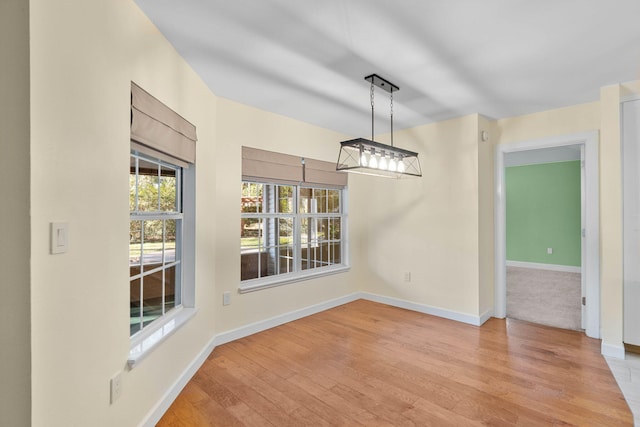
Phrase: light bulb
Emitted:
{"points": [[392, 165], [401, 167], [383, 162], [363, 159], [373, 161]]}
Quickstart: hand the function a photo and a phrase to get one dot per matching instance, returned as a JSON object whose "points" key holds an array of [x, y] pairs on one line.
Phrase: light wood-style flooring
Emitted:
{"points": [[370, 364]]}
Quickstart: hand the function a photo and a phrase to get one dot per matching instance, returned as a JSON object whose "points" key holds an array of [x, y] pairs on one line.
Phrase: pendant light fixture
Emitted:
{"points": [[368, 157]]}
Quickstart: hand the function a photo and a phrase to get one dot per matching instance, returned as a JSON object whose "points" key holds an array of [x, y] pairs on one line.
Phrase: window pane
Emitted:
{"points": [[333, 197], [148, 184], [335, 257], [250, 265], [170, 240], [135, 246], [134, 310], [152, 244], [168, 189], [285, 231], [304, 231], [319, 201], [305, 197], [270, 256], [322, 226], [170, 297], [251, 200], [152, 297], [250, 233], [308, 257], [334, 229], [285, 199], [286, 259], [269, 198], [317, 255]]}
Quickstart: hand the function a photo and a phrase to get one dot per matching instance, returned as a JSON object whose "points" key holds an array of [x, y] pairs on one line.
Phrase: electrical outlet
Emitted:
{"points": [[549, 251], [407, 276], [226, 298], [116, 387]]}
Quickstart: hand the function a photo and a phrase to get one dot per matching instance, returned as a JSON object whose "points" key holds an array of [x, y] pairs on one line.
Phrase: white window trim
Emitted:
{"points": [[144, 342], [285, 279], [260, 283]]}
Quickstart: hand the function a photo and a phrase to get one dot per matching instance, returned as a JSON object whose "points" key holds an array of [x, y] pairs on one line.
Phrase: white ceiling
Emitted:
{"points": [[307, 59]]}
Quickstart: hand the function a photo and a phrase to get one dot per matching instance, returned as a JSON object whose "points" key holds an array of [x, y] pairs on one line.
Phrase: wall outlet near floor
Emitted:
{"points": [[226, 298], [549, 251], [407, 276], [115, 386]]}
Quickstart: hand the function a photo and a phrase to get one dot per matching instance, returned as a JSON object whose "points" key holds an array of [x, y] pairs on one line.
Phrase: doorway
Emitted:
{"points": [[587, 143]]}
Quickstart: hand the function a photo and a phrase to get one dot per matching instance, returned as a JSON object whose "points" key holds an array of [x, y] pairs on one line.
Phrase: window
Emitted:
{"points": [[155, 239], [320, 227], [161, 223], [290, 230]]}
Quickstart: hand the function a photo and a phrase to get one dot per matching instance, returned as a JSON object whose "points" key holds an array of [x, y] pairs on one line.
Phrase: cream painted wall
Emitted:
{"points": [[578, 118], [240, 125], [83, 57], [15, 311], [80, 158], [429, 226], [486, 218]]}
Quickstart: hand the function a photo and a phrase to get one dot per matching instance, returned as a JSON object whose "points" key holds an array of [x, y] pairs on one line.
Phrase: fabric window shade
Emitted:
{"points": [[158, 127], [262, 164], [324, 173], [143, 149]]}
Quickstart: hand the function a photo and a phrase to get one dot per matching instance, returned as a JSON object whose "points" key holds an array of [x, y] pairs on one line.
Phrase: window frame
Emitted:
{"points": [[300, 274], [144, 217], [145, 340]]}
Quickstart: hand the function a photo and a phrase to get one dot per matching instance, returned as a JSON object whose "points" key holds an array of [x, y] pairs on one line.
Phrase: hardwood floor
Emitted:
{"points": [[370, 364]]}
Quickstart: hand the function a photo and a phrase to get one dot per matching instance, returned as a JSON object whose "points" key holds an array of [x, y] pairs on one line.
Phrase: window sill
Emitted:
{"points": [[143, 345], [273, 281]]}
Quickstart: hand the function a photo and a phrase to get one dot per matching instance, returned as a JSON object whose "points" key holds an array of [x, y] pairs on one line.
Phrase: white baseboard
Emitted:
{"points": [[486, 316], [262, 325], [539, 266], [161, 407], [611, 350], [427, 309], [172, 393]]}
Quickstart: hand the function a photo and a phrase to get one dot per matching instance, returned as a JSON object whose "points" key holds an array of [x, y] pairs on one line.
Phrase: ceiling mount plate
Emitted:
{"points": [[382, 83]]}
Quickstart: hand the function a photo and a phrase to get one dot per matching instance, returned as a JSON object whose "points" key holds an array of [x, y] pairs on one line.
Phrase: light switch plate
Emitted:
{"points": [[59, 237]]}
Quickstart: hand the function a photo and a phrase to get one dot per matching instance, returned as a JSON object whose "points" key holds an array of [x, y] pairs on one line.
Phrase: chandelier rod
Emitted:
{"points": [[372, 115]]}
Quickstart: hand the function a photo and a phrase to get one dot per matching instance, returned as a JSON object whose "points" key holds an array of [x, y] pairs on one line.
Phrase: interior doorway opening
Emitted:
{"points": [[543, 190], [587, 145]]}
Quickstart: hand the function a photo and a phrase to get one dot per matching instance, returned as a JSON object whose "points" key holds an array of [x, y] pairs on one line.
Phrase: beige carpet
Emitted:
{"points": [[547, 297]]}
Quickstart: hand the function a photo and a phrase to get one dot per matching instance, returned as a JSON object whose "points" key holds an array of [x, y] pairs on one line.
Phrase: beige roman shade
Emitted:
{"points": [[262, 164], [158, 127], [321, 172]]}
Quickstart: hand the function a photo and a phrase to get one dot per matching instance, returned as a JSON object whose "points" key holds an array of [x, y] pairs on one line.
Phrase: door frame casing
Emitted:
{"points": [[591, 230]]}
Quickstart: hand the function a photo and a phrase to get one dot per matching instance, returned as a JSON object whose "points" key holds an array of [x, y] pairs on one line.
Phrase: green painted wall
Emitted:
{"points": [[543, 211]]}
